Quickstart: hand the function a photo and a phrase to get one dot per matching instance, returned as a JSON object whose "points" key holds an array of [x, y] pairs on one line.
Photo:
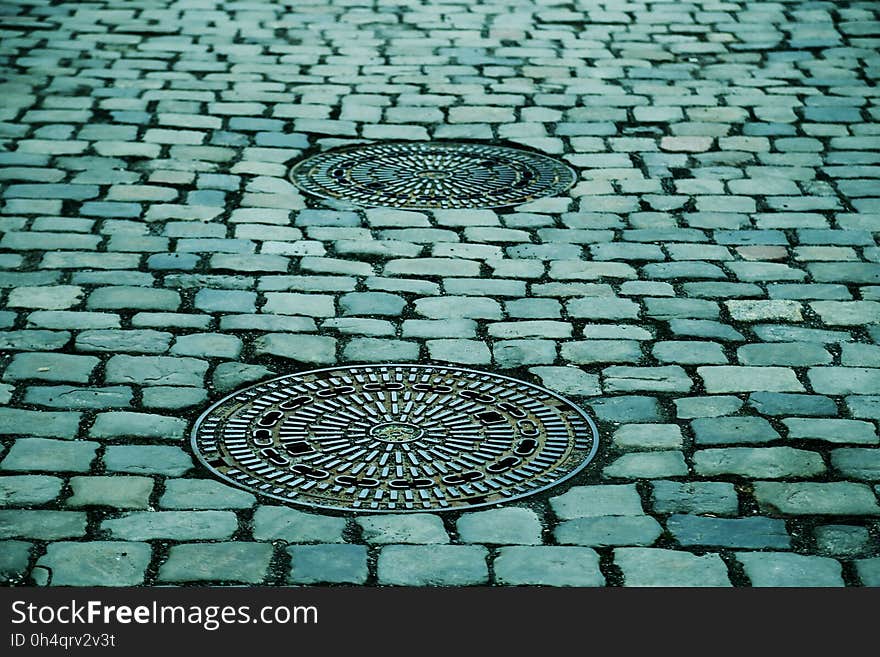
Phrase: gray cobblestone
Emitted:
{"points": [[330, 564], [280, 523], [97, 563], [810, 498], [511, 526], [658, 567], [173, 525], [123, 492], [778, 569], [436, 565], [241, 562], [548, 566], [421, 528]]}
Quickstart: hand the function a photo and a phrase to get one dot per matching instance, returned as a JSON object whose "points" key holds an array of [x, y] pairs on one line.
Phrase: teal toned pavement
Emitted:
{"points": [[709, 289]]}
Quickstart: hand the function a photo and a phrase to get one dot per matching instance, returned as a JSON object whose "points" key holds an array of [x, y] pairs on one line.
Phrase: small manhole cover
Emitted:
{"points": [[394, 438], [432, 175]]}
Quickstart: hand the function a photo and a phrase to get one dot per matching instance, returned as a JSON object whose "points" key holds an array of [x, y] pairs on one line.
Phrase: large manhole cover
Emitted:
{"points": [[394, 438], [432, 175]]}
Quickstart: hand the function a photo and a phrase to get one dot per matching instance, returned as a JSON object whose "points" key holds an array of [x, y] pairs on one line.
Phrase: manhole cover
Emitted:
{"points": [[432, 175], [394, 438]]}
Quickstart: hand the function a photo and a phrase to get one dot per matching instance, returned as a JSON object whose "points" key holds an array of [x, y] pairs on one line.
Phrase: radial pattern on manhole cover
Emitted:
{"points": [[394, 438], [432, 175]]}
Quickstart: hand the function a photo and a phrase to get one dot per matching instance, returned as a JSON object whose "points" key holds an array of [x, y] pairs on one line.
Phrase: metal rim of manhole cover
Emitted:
{"points": [[432, 175], [394, 438]]}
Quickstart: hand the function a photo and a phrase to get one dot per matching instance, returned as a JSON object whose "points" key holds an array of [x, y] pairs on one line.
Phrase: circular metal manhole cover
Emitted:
{"points": [[394, 438], [432, 175]]}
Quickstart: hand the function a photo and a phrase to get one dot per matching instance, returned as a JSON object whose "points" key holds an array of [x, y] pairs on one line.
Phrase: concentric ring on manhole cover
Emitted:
{"points": [[432, 175], [394, 437]]}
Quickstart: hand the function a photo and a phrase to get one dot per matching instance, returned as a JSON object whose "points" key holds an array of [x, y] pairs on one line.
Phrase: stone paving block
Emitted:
{"points": [[70, 397], [609, 530], [712, 406], [627, 409], [508, 526], [136, 341], [45, 454], [466, 352], [58, 297], [778, 569], [832, 430], [601, 351], [207, 345], [135, 298], [42, 525], [328, 564], [648, 436], [96, 563], [50, 367], [123, 492], [597, 501], [203, 494], [147, 459], [240, 562], [568, 380], [26, 490], [857, 463], [516, 353], [844, 380], [14, 559], [155, 370], [843, 540], [697, 497], [755, 532], [418, 528], [436, 565], [749, 379], [305, 348], [172, 525], [869, 571], [647, 465], [732, 430], [668, 378], [282, 523], [778, 403], [548, 566], [373, 350], [814, 498], [125, 424], [659, 567], [758, 462]]}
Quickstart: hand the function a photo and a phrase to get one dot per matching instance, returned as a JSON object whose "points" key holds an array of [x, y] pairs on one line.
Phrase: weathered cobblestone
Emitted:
{"points": [[785, 569], [436, 565], [98, 563], [173, 525], [241, 562], [656, 567], [328, 564], [548, 566], [754, 533]]}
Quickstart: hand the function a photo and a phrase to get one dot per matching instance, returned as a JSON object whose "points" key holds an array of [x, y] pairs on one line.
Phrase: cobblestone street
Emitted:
{"points": [[708, 290]]}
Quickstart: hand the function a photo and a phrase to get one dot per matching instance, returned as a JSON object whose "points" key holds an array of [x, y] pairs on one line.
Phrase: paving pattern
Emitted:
{"points": [[709, 288]]}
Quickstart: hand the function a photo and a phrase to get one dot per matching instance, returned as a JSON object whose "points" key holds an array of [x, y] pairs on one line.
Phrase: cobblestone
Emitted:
{"points": [[779, 569], [330, 564], [548, 566], [97, 563], [436, 565], [241, 562], [659, 567]]}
